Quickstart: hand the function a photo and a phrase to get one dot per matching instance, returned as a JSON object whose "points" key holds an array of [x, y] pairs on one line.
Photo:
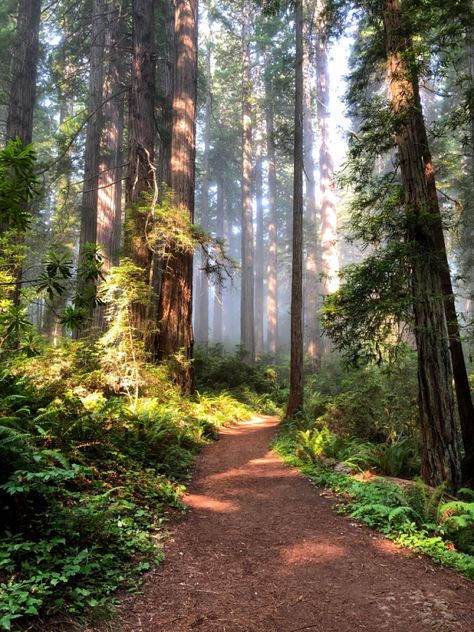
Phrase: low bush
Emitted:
{"points": [[86, 479]]}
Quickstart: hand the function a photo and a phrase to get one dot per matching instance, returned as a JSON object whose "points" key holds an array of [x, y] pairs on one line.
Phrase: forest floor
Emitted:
{"points": [[262, 550]]}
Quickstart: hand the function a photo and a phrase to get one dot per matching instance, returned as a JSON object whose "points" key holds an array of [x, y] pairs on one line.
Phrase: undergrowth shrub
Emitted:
{"points": [[373, 403], [260, 385], [86, 478], [392, 459]]}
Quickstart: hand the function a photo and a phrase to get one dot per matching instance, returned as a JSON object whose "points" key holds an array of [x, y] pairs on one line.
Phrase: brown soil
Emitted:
{"points": [[261, 550]]}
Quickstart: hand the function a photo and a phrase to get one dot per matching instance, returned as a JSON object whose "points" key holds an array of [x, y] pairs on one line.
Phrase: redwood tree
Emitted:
{"points": [[23, 72], [247, 332], [175, 333], [141, 145], [295, 400], [440, 449]]}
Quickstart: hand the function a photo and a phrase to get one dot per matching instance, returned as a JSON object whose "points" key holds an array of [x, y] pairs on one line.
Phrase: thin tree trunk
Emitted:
{"points": [[440, 449], [272, 261], [217, 325], [329, 251], [295, 400], [202, 316], [259, 257], [175, 303], [312, 283], [247, 334], [141, 148]]}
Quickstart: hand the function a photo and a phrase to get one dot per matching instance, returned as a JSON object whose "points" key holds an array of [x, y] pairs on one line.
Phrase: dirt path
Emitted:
{"points": [[262, 551]]}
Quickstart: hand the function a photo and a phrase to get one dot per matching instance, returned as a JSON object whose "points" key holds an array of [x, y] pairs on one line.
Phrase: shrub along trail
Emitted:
{"points": [[261, 550]]}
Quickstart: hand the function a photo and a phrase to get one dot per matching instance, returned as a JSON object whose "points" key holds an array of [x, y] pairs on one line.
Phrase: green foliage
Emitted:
{"points": [[261, 386], [457, 521], [122, 348], [372, 403], [18, 185], [86, 478], [363, 317], [323, 446]]}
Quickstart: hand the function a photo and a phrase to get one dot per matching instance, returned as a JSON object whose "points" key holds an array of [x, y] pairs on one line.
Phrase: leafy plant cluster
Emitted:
{"points": [[262, 386], [414, 515], [375, 403], [87, 478], [323, 447]]}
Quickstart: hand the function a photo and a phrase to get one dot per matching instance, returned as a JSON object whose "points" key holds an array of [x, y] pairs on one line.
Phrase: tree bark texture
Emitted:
{"points": [[247, 331], [312, 282], [175, 303], [22, 98], [217, 324], [295, 400], [23, 71], [109, 203], [329, 250], [272, 260], [440, 445], [202, 316], [259, 257], [90, 193], [141, 126], [165, 72], [461, 379], [141, 148]]}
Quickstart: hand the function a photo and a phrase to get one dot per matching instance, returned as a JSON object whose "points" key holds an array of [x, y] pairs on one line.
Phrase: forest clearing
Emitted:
{"points": [[236, 315]]}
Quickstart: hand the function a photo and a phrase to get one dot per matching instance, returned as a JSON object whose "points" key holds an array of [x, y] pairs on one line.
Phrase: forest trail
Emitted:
{"points": [[261, 550]]}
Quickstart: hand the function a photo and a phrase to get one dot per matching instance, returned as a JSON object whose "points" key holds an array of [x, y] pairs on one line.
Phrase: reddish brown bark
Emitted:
{"points": [[312, 283], [247, 332], [440, 450], [272, 260], [259, 258], [175, 334], [23, 71], [295, 400], [329, 251], [109, 203], [202, 311]]}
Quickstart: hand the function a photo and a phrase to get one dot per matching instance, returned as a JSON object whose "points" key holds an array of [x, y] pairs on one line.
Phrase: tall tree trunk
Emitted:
{"points": [[259, 256], [247, 334], [22, 97], [109, 203], [272, 261], [217, 325], [329, 251], [141, 148], [23, 71], [90, 194], [175, 303], [166, 46], [461, 380], [468, 223], [312, 283], [440, 450], [295, 400], [202, 316], [94, 126]]}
